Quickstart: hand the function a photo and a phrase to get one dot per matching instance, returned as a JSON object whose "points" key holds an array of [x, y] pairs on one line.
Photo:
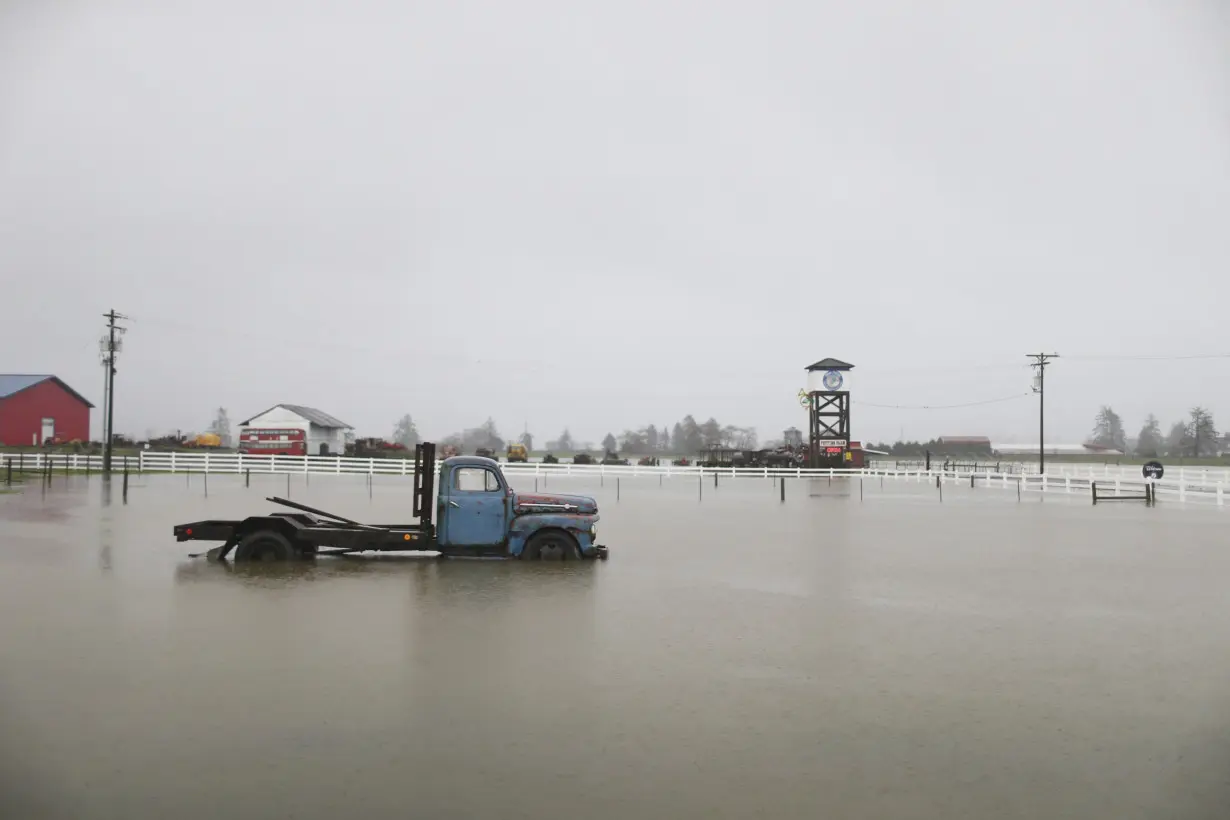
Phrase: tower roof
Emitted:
{"points": [[830, 364]]}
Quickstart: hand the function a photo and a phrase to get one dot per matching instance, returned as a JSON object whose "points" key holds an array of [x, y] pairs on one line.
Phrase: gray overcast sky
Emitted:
{"points": [[602, 215]]}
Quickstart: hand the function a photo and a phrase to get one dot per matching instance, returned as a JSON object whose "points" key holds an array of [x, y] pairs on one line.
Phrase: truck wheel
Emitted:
{"points": [[265, 545], [551, 545]]}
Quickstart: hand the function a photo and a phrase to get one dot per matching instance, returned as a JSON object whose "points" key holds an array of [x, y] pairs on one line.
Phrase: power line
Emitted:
{"points": [[1113, 357], [1014, 397]]}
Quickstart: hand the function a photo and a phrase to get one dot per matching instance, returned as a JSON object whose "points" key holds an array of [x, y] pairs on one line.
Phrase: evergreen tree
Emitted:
{"points": [[405, 433], [1149, 443], [1108, 430]]}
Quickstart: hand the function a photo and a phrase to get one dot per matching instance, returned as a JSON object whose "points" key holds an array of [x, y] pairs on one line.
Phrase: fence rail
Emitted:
{"points": [[1199, 487]]}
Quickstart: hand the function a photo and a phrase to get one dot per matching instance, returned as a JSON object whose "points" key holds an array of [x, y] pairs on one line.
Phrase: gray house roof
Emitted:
{"points": [[830, 364], [311, 414], [12, 383]]}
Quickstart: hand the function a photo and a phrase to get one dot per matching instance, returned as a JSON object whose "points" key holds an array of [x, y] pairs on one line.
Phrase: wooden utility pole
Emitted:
{"points": [[110, 346], [1041, 360]]}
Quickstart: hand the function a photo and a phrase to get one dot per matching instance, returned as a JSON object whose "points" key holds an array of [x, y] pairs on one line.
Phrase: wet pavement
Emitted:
{"points": [[890, 657]]}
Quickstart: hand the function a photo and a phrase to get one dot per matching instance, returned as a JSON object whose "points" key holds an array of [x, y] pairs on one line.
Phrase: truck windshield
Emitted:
{"points": [[475, 480]]}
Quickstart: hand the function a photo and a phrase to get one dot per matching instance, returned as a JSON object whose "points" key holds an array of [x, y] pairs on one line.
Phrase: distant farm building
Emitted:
{"points": [[1056, 450], [36, 410], [964, 443], [292, 429]]}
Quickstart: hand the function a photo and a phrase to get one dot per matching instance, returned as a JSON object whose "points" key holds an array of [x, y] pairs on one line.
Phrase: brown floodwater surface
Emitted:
{"points": [[894, 656]]}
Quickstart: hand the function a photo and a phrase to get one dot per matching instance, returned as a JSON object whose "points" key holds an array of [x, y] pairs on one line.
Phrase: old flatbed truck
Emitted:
{"points": [[477, 515]]}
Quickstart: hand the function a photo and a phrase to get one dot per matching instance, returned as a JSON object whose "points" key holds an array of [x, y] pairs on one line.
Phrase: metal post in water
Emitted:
{"points": [[8, 464], [700, 486], [941, 486], [206, 485], [125, 480], [781, 483], [860, 489], [617, 488], [535, 483], [1093, 487], [288, 485], [247, 478]]}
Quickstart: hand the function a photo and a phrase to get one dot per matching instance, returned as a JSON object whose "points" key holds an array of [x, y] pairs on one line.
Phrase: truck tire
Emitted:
{"points": [[551, 545], [265, 545]]}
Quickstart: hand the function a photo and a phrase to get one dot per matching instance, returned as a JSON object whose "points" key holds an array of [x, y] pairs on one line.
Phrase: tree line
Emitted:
{"points": [[1195, 435], [685, 437]]}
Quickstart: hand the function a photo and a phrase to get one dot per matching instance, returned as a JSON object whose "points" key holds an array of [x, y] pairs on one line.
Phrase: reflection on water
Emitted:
{"points": [[895, 656]]}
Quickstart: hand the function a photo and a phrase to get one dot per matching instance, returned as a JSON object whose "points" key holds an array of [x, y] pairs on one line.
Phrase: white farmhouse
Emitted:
{"points": [[325, 435]]}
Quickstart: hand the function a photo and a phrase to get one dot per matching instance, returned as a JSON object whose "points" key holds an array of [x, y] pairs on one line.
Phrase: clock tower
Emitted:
{"points": [[828, 406]]}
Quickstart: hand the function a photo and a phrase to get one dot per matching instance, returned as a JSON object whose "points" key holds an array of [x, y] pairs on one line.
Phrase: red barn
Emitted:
{"points": [[37, 409]]}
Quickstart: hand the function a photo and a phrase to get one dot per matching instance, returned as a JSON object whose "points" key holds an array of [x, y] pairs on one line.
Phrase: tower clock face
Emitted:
{"points": [[832, 380]]}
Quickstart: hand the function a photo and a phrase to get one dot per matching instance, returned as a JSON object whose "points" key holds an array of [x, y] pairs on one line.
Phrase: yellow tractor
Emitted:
{"points": [[205, 441], [517, 453]]}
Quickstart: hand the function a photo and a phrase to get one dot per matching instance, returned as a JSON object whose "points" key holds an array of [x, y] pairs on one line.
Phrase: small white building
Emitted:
{"points": [[325, 434]]}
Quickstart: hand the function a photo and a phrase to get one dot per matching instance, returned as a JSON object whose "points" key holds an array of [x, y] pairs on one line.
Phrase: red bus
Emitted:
{"points": [[273, 442]]}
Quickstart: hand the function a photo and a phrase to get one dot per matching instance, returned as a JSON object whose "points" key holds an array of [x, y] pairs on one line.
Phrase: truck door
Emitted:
{"points": [[474, 509]]}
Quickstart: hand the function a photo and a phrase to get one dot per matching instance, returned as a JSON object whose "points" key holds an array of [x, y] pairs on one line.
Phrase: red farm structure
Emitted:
{"points": [[37, 410]]}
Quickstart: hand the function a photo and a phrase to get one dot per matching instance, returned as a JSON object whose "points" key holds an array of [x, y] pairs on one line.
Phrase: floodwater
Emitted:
{"points": [[892, 656]]}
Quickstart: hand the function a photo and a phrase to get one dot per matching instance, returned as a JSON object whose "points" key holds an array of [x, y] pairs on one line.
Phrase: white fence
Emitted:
{"points": [[1196, 485]]}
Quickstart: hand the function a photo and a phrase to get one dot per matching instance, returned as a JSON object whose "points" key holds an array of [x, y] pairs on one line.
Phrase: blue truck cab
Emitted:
{"points": [[475, 513], [478, 513]]}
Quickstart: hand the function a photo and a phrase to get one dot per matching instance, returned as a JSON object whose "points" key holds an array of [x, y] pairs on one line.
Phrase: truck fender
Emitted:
{"points": [[524, 527]]}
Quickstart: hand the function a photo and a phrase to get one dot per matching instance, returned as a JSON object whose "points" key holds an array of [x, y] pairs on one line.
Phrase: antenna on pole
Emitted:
{"points": [[1041, 360], [109, 349]]}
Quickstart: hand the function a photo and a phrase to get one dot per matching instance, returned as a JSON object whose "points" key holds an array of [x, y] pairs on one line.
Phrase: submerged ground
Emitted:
{"points": [[896, 656]]}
